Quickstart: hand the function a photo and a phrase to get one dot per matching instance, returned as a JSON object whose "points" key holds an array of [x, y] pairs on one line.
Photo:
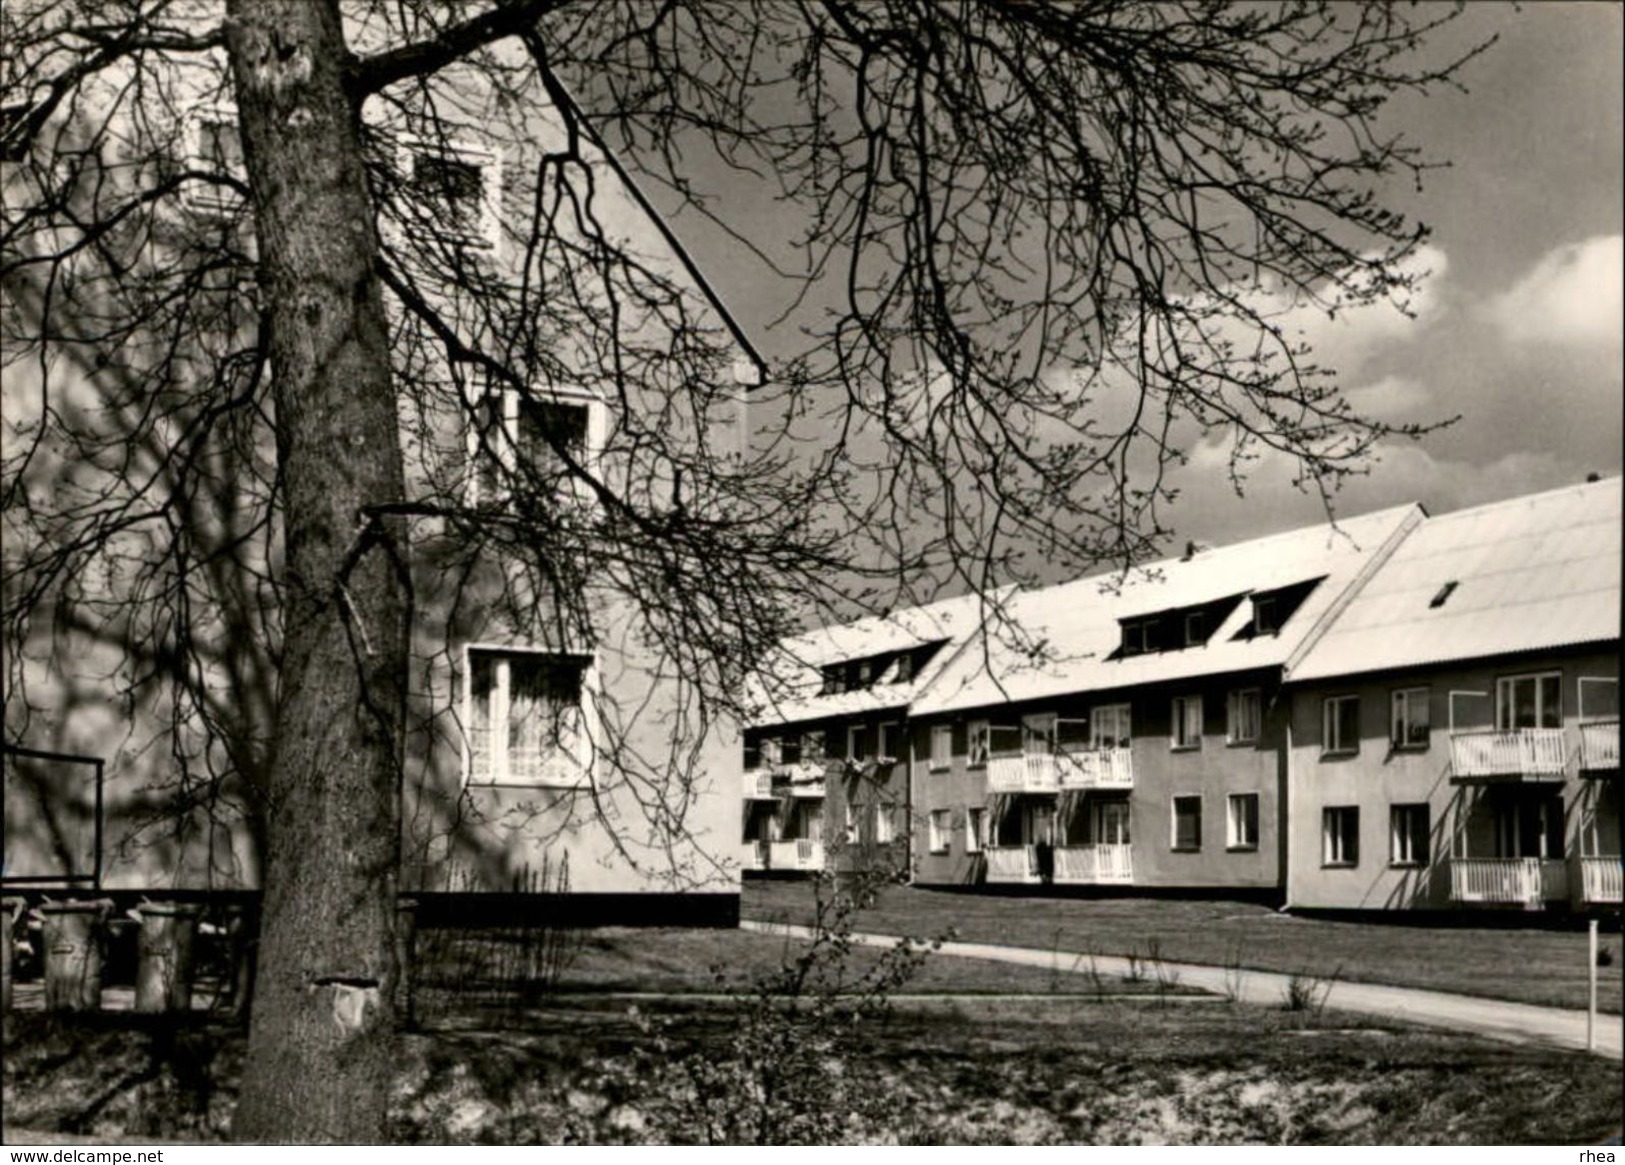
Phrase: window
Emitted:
{"points": [[938, 827], [523, 444], [1272, 609], [1265, 615], [1243, 716], [1532, 701], [1186, 729], [942, 746], [1340, 726], [903, 669], [812, 748], [1195, 629], [857, 743], [1109, 726], [974, 829], [1038, 734], [1408, 830], [890, 742], [1187, 823], [1340, 836], [790, 750], [526, 718], [753, 753], [851, 824], [457, 191], [978, 741], [214, 146], [1241, 821], [1410, 719], [885, 823]]}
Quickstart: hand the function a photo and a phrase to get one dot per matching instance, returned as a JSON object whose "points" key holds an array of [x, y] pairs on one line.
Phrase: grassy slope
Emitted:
{"points": [[1531, 966]]}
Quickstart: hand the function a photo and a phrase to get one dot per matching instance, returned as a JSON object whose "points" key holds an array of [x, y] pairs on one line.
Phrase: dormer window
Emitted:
{"points": [[1195, 629], [1139, 636], [1266, 615], [1272, 609]]}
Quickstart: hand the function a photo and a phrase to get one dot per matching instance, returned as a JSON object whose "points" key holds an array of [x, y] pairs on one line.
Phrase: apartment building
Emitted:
{"points": [[554, 743], [1130, 730], [826, 764], [1455, 732]]}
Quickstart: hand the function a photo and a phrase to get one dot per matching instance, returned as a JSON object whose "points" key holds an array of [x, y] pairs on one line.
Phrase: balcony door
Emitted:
{"points": [[1108, 822], [1109, 726], [1529, 826], [1531, 701], [1038, 734]]}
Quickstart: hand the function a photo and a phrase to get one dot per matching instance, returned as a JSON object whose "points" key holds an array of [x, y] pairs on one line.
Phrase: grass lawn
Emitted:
{"points": [[1528, 965], [1078, 1071]]}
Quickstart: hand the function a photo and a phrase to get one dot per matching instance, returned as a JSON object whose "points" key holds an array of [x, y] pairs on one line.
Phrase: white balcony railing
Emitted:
{"points": [[805, 779], [754, 855], [758, 784], [1030, 772], [1096, 768], [1602, 880], [1518, 752], [1599, 745], [796, 854], [1095, 865], [1012, 863], [1523, 881]]}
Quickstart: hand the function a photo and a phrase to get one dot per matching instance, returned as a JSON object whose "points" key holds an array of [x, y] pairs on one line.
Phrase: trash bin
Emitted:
{"points": [[72, 939], [9, 908], [164, 957]]}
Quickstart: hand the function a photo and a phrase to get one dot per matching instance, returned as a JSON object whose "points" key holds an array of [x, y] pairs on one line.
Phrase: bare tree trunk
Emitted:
{"points": [[320, 1042]]}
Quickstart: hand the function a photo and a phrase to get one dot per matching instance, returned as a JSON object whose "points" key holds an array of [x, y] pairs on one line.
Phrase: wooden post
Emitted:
{"points": [[1591, 973], [8, 949]]}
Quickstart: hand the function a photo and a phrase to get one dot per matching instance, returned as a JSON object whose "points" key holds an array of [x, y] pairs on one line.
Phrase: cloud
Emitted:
{"points": [[1572, 295]]}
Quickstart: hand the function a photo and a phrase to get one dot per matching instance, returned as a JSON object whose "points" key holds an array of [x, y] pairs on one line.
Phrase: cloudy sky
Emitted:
{"points": [[1518, 326]]}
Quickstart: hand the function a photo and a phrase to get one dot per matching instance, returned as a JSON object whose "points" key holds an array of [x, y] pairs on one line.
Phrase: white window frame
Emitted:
{"points": [[978, 743], [888, 732], [488, 235], [885, 822], [1173, 822], [1401, 705], [975, 828], [856, 734], [1505, 702], [1241, 826], [1114, 717], [939, 825], [1265, 621], [1181, 738], [208, 198], [574, 772], [505, 443], [1336, 838], [1237, 730], [1400, 850], [853, 829], [1331, 737], [942, 747]]}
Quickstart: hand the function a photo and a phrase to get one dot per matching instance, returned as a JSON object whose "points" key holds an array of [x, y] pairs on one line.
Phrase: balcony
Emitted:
{"points": [[1599, 747], [797, 854], [1519, 752], [754, 855], [804, 779], [1602, 880], [1016, 864], [1095, 865], [1527, 882], [1096, 768], [1031, 772], [758, 785]]}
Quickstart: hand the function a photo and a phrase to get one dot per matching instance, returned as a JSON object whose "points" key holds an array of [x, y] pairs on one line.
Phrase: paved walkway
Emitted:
{"points": [[1522, 1023]]}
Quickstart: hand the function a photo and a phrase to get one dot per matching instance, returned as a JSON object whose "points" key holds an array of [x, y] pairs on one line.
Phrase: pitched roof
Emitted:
{"points": [[791, 688], [1072, 632], [1531, 573]]}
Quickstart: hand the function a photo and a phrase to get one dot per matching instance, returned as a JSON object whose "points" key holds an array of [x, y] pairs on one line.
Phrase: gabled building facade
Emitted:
{"points": [[827, 762], [1455, 734], [1131, 731]]}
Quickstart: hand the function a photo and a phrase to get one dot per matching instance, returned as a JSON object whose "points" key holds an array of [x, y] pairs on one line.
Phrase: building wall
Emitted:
{"points": [[1213, 771], [1378, 777]]}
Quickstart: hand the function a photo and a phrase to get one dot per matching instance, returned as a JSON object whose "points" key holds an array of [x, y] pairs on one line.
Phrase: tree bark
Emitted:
{"points": [[321, 1036]]}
